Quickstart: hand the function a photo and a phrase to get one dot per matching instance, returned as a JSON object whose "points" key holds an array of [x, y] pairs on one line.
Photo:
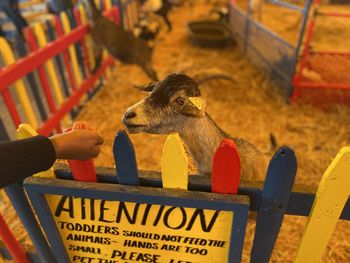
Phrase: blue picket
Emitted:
{"points": [[3, 132], [58, 59], [274, 203], [21, 204], [125, 160], [31, 80], [19, 200]]}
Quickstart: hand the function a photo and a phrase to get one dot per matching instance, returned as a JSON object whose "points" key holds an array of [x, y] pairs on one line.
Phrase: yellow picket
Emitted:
{"points": [[25, 131], [108, 4], [125, 16], [97, 3], [88, 38], [9, 58], [135, 12], [42, 42], [129, 15], [4, 196], [174, 163], [29, 4], [105, 54], [331, 197], [72, 53]]}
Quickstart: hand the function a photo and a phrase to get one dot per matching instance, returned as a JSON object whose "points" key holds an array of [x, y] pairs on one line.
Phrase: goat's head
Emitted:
{"points": [[170, 103]]}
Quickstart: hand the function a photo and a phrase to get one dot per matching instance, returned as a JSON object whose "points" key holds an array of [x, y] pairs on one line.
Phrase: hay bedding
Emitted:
{"points": [[252, 108]]}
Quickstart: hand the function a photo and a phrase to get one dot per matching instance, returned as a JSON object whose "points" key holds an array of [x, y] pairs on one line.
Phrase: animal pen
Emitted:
{"points": [[123, 213], [266, 49], [330, 81]]}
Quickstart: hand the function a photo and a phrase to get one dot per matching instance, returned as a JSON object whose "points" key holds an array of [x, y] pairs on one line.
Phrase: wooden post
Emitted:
{"points": [[73, 56], [20, 88], [58, 59], [274, 202], [331, 197], [83, 171], [174, 163], [42, 42], [31, 79], [25, 131], [226, 169], [15, 248], [125, 160], [88, 38]]}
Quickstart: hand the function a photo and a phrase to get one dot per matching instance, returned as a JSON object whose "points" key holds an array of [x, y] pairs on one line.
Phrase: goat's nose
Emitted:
{"points": [[130, 115]]}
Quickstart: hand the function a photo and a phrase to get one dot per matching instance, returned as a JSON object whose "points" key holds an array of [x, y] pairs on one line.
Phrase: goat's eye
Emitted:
{"points": [[180, 101]]}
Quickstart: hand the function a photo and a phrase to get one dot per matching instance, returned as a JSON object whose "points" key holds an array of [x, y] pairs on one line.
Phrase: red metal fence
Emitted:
{"points": [[323, 76]]}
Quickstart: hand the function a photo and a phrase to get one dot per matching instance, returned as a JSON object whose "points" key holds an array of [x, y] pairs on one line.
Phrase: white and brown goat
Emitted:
{"points": [[170, 108]]}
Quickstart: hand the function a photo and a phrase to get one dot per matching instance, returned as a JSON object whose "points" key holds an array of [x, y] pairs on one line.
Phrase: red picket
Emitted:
{"points": [[15, 248], [83, 171], [29, 35], [72, 101], [33, 46], [226, 170], [11, 107]]}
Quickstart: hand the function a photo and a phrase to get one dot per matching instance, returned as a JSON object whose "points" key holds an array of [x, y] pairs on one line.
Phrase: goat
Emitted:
{"points": [[58, 6], [148, 28], [220, 13], [120, 44], [170, 107], [12, 11], [159, 7]]}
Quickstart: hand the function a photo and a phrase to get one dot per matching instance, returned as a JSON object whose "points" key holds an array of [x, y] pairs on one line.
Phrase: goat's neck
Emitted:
{"points": [[202, 137]]}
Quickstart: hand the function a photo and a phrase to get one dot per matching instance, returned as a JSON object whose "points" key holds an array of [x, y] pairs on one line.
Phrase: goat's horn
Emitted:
{"points": [[212, 74], [145, 88]]}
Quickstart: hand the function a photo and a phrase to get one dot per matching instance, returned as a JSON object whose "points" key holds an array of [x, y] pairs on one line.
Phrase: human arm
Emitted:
{"points": [[22, 158]]}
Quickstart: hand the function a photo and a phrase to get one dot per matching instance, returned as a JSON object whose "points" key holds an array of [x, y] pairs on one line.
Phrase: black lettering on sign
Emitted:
{"points": [[171, 248], [82, 259], [200, 213], [102, 209], [123, 210], [60, 207], [167, 214], [135, 256], [89, 239], [160, 211], [85, 249], [145, 215], [140, 244], [171, 238], [102, 260], [92, 209], [173, 217], [83, 214]]}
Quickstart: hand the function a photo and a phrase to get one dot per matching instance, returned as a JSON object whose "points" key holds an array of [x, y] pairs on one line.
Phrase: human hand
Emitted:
{"points": [[77, 144]]}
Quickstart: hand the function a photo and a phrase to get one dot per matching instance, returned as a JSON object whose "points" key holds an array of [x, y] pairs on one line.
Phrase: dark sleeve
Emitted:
{"points": [[22, 158]]}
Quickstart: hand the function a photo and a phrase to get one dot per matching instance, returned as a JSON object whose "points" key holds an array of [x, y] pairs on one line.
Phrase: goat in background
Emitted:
{"points": [[121, 44]]}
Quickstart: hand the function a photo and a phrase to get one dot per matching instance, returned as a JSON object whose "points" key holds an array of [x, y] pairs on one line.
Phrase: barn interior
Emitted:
{"points": [[252, 107]]}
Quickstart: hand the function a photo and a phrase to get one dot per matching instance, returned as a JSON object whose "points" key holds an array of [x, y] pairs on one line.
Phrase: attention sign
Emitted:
{"points": [[106, 223], [110, 231]]}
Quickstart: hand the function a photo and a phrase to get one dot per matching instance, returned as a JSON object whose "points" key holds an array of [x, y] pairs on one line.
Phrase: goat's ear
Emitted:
{"points": [[195, 108], [146, 88]]}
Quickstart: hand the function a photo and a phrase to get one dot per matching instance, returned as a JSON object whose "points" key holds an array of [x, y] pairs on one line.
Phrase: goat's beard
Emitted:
{"points": [[151, 129], [134, 129]]}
